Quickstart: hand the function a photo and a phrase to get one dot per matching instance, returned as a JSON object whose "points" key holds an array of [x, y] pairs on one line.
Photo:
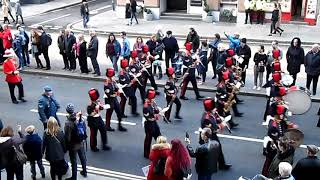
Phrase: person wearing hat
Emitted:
{"points": [[33, 149], [13, 77], [270, 143], [135, 71], [308, 167], [171, 92], [111, 91], [151, 116], [126, 80], [48, 106], [234, 40], [171, 47], [95, 121], [75, 138], [244, 51]]}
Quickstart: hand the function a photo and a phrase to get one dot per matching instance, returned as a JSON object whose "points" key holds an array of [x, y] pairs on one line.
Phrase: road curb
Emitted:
{"points": [[101, 79]]}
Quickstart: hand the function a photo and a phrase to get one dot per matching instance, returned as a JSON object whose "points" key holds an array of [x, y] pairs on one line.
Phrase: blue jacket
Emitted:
{"points": [[234, 43], [47, 107], [33, 147], [17, 43], [117, 47], [214, 43], [125, 51]]}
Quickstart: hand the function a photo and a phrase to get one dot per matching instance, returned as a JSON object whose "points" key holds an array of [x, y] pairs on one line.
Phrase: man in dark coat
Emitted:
{"points": [[312, 66], [84, 11], [244, 51], [308, 167], [194, 39], [206, 155], [44, 46], [93, 52], [171, 47], [69, 41], [295, 57], [62, 49]]}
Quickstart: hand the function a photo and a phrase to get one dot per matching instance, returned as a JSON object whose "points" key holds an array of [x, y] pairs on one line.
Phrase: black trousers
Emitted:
{"points": [[53, 167], [133, 15], [133, 102], [73, 160], [38, 61], [266, 112], [15, 170], [65, 61], [21, 19], [72, 60], [294, 76], [273, 27], [185, 85], [178, 106], [142, 90], [243, 74], [148, 75], [95, 65], [6, 20], [221, 160], [168, 58], [260, 17], [318, 124], [100, 126], [248, 14], [20, 88], [269, 71], [152, 130], [45, 53], [83, 64], [314, 79], [114, 106]]}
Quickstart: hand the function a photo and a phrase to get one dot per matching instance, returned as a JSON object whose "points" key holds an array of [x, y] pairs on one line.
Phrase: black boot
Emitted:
{"points": [[318, 125], [154, 70], [160, 72], [121, 128], [233, 124]]}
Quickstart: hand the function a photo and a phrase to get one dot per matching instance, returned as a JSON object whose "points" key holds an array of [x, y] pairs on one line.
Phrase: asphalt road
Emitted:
{"points": [[127, 153], [61, 18]]}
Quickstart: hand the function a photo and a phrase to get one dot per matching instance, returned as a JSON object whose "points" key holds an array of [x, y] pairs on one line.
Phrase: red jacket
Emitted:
{"points": [[8, 68], [158, 150], [7, 39]]}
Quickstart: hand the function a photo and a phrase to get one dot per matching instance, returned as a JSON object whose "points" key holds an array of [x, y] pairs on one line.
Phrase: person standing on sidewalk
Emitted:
{"points": [[18, 12], [295, 57], [35, 46], [32, 148], [248, 11], [17, 47], [171, 47], [244, 52], [7, 37], [25, 45], [48, 106], [62, 49], [214, 53], [234, 40], [260, 60], [125, 46], [260, 4], [133, 10], [93, 53], [13, 77], [75, 138], [113, 51], [312, 67], [69, 41], [45, 42], [194, 39], [271, 58], [84, 11], [81, 53], [138, 46]]}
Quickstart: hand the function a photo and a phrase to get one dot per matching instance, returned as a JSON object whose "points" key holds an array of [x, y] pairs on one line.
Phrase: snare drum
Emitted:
{"points": [[286, 80], [298, 99]]}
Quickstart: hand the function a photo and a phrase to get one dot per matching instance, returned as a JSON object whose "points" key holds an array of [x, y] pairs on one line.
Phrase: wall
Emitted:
{"points": [[163, 6]]}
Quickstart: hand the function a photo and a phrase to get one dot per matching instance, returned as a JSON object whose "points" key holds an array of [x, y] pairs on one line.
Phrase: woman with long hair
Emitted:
{"points": [[178, 163], [138, 45], [54, 149], [35, 45], [113, 50], [295, 58]]}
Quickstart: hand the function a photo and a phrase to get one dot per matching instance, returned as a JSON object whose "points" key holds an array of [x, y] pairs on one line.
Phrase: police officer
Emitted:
{"points": [[189, 74], [211, 120], [171, 92], [127, 82], [111, 91], [95, 121], [151, 116], [48, 106]]}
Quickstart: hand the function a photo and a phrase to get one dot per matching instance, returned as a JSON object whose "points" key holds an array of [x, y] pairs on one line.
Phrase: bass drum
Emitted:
{"points": [[298, 99]]}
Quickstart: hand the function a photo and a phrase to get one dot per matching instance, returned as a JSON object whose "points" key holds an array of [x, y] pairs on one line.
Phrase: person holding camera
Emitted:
{"points": [[260, 59], [206, 155]]}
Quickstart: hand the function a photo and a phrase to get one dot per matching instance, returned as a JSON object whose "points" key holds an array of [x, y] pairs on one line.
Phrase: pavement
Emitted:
{"points": [[180, 28], [126, 157]]}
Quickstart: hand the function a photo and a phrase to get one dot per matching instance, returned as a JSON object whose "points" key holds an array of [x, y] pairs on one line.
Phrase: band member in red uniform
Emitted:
{"points": [[95, 121], [151, 116], [210, 119], [128, 91], [135, 72], [189, 74], [171, 92], [111, 91], [146, 61]]}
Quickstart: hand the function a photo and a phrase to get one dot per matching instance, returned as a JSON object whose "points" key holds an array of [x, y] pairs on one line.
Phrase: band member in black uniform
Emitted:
{"points": [[171, 92], [189, 75], [128, 91], [279, 120], [146, 61], [210, 119], [95, 121], [151, 116], [138, 77], [111, 91]]}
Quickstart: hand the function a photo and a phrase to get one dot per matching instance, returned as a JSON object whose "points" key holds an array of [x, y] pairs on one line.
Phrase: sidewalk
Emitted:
{"points": [[308, 34]]}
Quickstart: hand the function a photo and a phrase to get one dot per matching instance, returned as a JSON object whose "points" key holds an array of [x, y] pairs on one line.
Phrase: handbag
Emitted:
{"points": [[20, 156]]}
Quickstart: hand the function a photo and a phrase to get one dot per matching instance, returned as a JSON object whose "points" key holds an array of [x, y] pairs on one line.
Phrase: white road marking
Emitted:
{"points": [[105, 172], [49, 20], [245, 138], [112, 121], [104, 7]]}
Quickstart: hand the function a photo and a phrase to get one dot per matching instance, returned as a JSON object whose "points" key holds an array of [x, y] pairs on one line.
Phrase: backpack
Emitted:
{"points": [[160, 166], [80, 131], [48, 39]]}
